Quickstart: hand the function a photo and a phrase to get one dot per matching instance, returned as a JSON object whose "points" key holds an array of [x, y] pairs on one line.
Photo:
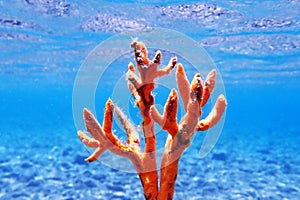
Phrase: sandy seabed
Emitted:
{"points": [[50, 165]]}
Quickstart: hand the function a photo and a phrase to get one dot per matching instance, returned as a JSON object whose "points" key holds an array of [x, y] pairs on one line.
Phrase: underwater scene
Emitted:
{"points": [[63, 62]]}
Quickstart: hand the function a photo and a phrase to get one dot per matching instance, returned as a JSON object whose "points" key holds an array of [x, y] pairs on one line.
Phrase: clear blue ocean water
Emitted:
{"points": [[255, 46]]}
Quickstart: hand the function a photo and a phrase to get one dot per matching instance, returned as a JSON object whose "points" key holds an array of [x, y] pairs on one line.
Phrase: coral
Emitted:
{"points": [[194, 96]]}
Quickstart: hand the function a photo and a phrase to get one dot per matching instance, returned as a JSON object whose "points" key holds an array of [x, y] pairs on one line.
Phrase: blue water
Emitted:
{"points": [[255, 45]]}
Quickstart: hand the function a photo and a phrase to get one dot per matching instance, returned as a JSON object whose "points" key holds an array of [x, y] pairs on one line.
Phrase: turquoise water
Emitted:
{"points": [[255, 46]]}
